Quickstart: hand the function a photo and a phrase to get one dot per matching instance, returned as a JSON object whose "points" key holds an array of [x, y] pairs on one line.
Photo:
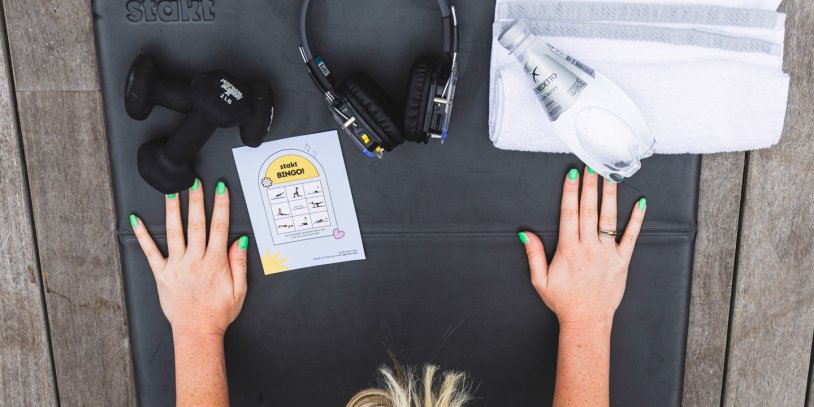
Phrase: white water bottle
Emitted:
{"points": [[595, 118]]}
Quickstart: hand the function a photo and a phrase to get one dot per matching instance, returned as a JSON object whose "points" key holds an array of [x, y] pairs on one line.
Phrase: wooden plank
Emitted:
{"points": [[52, 44], [26, 376], [811, 379], [66, 155], [714, 264], [52, 50], [773, 308]]}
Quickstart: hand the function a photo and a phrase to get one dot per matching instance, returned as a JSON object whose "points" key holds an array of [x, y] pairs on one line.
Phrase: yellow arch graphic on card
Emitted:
{"points": [[289, 168], [273, 264]]}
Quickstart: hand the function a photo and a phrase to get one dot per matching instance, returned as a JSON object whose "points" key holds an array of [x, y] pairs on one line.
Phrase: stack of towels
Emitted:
{"points": [[707, 74]]}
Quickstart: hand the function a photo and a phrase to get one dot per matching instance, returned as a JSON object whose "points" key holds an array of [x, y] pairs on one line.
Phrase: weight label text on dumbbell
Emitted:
{"points": [[229, 92], [170, 11]]}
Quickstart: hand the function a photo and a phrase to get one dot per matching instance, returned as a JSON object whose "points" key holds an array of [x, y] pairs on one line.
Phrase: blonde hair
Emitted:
{"points": [[405, 388]]}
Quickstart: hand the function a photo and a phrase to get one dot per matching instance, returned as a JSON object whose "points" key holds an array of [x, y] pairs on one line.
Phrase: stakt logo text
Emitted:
{"points": [[170, 11]]}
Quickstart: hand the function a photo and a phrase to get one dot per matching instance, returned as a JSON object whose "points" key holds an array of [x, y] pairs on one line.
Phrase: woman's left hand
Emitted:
{"points": [[201, 289]]}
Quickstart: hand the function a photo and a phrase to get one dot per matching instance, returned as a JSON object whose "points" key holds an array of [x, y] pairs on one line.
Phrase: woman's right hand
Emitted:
{"points": [[585, 281]]}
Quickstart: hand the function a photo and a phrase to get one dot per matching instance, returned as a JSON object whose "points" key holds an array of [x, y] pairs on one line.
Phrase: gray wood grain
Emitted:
{"points": [[66, 155], [811, 381], [54, 61], [773, 308], [26, 377], [52, 44], [713, 268]]}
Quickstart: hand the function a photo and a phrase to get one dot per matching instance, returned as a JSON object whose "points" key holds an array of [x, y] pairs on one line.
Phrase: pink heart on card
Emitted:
{"points": [[338, 234]]}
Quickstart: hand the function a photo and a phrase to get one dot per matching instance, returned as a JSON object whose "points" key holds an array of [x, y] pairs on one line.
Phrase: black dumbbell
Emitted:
{"points": [[147, 86], [254, 130], [218, 100]]}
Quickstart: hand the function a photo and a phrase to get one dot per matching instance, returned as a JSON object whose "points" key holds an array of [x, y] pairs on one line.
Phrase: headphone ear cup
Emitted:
{"points": [[371, 102], [423, 74], [254, 130]]}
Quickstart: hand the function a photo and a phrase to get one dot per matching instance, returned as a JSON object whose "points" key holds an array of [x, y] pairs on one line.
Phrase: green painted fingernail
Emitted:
{"points": [[573, 174], [196, 185], [243, 242], [133, 220], [523, 237], [642, 204], [221, 188], [608, 180], [170, 196], [591, 171]]}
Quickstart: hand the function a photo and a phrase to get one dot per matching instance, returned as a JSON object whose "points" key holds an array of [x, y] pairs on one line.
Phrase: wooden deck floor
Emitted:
{"points": [[63, 329]]}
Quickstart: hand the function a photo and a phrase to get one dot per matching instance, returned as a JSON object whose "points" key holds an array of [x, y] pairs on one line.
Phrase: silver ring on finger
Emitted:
{"points": [[609, 233]]}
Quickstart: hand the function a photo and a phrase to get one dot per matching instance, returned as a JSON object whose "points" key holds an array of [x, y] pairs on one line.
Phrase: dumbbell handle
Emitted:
{"points": [[174, 94], [188, 138]]}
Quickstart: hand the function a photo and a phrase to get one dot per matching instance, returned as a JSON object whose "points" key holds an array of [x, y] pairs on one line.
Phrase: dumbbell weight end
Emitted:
{"points": [[167, 163], [256, 128], [162, 172], [146, 87]]}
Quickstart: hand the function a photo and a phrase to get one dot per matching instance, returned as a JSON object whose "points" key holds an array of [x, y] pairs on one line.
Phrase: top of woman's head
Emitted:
{"points": [[405, 387]]}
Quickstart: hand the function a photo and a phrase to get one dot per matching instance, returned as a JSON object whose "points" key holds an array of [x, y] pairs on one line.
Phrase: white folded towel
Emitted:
{"points": [[743, 4], [703, 90]]}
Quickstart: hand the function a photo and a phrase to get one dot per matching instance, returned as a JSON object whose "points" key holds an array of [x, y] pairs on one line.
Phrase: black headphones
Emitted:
{"points": [[362, 109]]}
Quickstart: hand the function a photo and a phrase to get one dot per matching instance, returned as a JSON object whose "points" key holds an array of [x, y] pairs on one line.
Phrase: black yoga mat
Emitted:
{"points": [[446, 280]]}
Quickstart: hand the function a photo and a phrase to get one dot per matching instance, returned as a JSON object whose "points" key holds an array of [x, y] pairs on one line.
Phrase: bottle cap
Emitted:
{"points": [[514, 34]]}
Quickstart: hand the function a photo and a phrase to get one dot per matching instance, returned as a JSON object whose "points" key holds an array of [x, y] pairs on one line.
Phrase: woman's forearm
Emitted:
{"points": [[583, 365], [200, 370]]}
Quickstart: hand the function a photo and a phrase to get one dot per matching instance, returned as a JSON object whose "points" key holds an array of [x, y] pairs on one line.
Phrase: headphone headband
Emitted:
{"points": [[319, 71], [432, 116]]}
